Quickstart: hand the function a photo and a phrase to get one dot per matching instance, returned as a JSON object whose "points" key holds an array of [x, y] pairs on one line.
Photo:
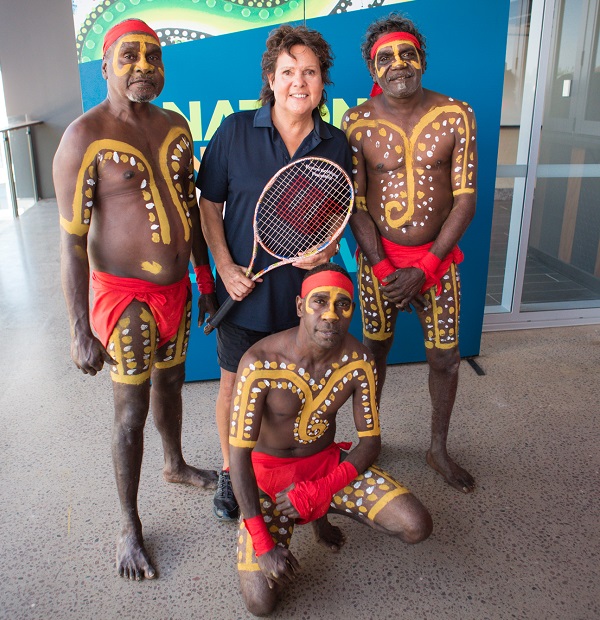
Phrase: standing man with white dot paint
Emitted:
{"points": [[415, 172], [124, 183]]}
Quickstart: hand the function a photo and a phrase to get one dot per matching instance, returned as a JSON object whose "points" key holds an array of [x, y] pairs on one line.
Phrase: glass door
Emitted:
{"points": [[562, 269], [545, 252]]}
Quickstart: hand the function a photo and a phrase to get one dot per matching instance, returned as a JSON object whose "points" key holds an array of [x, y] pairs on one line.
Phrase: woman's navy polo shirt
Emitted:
{"points": [[245, 152]]}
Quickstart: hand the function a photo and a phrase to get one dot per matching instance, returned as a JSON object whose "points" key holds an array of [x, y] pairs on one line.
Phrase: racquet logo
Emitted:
{"points": [[305, 207]]}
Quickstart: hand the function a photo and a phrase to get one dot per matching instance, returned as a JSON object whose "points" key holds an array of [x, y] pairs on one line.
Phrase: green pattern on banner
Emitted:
{"points": [[181, 21]]}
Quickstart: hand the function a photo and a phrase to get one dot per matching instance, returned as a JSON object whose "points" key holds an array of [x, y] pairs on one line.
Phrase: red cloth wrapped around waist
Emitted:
{"points": [[112, 294], [403, 256], [273, 473]]}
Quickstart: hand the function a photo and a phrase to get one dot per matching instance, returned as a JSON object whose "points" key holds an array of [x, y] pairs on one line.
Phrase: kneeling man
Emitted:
{"points": [[285, 465]]}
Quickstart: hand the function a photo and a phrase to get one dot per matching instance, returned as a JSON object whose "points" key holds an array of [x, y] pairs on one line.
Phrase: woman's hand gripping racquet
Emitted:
{"points": [[302, 210]]}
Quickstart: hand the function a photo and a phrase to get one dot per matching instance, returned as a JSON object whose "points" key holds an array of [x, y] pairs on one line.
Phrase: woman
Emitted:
{"points": [[246, 151]]}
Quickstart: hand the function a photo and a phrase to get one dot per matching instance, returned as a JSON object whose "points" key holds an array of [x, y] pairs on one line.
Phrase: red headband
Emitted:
{"points": [[386, 38], [394, 36], [125, 27], [327, 278]]}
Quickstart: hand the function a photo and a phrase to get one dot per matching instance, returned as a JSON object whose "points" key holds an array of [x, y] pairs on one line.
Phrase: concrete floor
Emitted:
{"points": [[524, 545]]}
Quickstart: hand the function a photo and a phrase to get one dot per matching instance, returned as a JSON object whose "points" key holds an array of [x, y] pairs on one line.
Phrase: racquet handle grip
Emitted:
{"points": [[215, 320]]}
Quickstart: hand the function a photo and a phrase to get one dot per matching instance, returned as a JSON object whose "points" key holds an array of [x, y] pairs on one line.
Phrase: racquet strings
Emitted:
{"points": [[302, 209]]}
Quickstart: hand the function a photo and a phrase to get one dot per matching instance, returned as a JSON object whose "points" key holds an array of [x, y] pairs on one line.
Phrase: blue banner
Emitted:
{"points": [[211, 76]]}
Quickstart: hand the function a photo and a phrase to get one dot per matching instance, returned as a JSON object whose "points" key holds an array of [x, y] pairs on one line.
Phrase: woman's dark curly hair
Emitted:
{"points": [[394, 22], [282, 39]]}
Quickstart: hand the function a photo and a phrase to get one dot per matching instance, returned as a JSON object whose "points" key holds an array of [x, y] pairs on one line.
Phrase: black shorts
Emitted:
{"points": [[232, 342]]}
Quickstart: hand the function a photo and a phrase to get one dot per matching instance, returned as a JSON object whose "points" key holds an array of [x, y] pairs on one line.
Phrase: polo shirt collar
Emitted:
{"points": [[262, 118]]}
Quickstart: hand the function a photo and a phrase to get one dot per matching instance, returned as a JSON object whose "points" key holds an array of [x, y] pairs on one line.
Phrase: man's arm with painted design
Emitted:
{"points": [[207, 302], [464, 185], [234, 276], [363, 227], [75, 193], [277, 564], [366, 416]]}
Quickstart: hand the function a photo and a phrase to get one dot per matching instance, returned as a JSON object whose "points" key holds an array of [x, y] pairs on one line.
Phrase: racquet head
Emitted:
{"points": [[303, 208]]}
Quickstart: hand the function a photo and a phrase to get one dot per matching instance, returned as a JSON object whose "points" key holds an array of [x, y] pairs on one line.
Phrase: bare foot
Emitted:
{"points": [[202, 478], [328, 535], [132, 560], [454, 475]]}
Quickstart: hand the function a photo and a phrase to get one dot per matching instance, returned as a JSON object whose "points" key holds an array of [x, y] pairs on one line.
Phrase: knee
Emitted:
{"points": [[260, 605], [379, 348], [414, 523], [419, 528], [446, 361], [169, 381], [130, 416]]}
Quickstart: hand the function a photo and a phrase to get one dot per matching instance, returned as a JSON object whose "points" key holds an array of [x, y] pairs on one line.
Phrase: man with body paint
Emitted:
{"points": [[415, 170], [124, 183], [285, 465]]}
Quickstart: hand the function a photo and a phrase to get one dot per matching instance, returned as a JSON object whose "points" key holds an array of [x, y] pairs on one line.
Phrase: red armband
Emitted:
{"points": [[429, 264], [383, 269], [311, 499], [204, 279], [262, 542]]}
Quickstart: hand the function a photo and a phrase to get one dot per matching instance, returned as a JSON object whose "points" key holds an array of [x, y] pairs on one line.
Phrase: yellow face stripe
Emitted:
{"points": [[335, 294], [395, 45], [142, 39]]}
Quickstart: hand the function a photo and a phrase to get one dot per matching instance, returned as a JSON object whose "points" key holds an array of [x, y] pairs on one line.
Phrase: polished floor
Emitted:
{"points": [[525, 545]]}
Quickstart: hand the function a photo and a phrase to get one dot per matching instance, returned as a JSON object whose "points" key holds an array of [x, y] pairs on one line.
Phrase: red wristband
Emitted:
{"points": [[429, 264], [312, 498], [204, 279], [262, 542], [383, 269]]}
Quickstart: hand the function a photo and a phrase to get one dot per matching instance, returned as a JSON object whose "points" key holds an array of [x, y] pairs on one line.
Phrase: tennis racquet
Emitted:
{"points": [[302, 210]]}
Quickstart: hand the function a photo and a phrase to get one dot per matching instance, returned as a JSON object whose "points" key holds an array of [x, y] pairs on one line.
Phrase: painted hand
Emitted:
{"points": [[284, 505], [279, 566], [89, 355], [403, 286], [207, 305]]}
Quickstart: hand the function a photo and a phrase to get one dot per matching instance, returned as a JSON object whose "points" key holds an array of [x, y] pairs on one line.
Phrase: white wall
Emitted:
{"points": [[41, 79]]}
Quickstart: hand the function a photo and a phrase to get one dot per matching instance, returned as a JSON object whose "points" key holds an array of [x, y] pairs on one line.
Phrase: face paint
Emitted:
{"points": [[402, 54], [145, 60], [336, 296]]}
